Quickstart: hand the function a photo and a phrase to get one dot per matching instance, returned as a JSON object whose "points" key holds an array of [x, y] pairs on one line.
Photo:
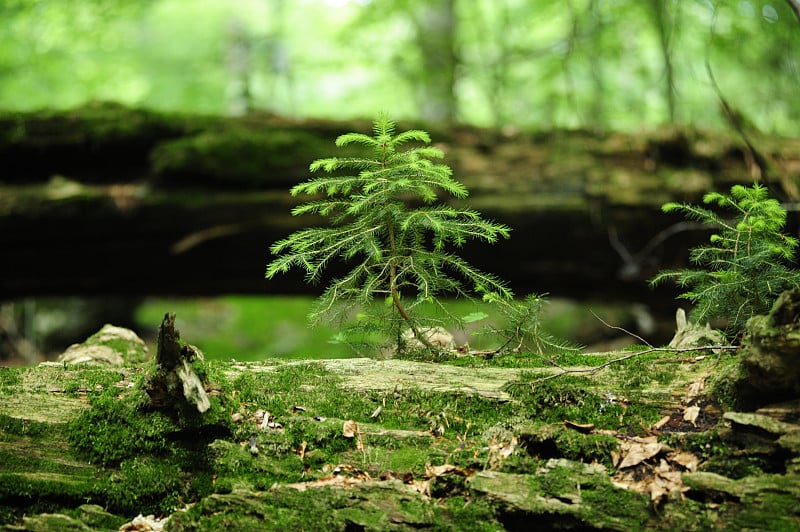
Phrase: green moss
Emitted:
{"points": [[643, 370], [47, 491], [463, 513], [91, 380], [115, 428], [721, 385], [147, 485], [12, 426], [156, 460], [94, 122], [705, 445], [238, 155], [9, 377], [766, 502], [96, 518], [557, 441], [407, 458], [284, 509], [574, 399]]}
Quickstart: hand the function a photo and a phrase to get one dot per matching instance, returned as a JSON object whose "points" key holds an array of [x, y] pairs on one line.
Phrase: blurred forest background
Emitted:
{"points": [[601, 64], [510, 65]]}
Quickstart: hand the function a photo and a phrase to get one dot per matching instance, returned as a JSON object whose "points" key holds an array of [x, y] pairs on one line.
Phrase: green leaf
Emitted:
{"points": [[474, 316]]}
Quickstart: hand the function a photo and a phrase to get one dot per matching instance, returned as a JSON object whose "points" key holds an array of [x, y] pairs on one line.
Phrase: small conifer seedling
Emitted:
{"points": [[385, 224], [747, 262]]}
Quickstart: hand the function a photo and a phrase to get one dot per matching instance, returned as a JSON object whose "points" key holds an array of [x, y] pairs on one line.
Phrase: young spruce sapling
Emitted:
{"points": [[747, 262], [384, 222]]}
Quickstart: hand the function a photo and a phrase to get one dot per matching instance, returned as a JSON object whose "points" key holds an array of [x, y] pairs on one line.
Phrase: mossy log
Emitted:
{"points": [[105, 199], [359, 444]]}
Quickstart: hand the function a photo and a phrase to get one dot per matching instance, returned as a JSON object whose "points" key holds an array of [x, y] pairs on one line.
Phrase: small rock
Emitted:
{"points": [[438, 337], [110, 346]]}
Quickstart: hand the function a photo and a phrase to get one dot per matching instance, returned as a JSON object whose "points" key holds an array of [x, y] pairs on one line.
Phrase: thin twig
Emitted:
{"points": [[595, 369], [615, 327]]}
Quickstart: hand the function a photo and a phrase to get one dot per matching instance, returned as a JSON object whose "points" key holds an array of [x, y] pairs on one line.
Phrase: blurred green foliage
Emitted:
{"points": [[620, 64], [255, 327]]}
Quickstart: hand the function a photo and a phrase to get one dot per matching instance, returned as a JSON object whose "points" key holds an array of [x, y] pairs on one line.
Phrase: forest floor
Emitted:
{"points": [[623, 440]]}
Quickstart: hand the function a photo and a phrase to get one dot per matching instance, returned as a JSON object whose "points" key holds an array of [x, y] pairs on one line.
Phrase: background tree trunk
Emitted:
{"points": [[107, 200]]}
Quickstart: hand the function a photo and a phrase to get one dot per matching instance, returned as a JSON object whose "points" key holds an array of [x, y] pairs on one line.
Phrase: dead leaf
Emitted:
{"points": [[437, 471], [635, 453], [695, 388], [423, 487], [686, 460], [690, 414], [302, 451], [141, 523], [615, 458], [507, 450], [350, 429], [265, 420], [664, 483], [339, 480]]}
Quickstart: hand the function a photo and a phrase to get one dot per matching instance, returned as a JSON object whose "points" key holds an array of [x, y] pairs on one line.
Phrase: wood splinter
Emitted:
{"points": [[174, 380]]}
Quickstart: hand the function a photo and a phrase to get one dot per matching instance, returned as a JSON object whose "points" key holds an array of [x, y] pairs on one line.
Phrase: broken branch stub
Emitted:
{"points": [[174, 380]]}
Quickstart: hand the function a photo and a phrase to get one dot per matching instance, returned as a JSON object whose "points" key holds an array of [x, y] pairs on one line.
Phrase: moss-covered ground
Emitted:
{"points": [[460, 444]]}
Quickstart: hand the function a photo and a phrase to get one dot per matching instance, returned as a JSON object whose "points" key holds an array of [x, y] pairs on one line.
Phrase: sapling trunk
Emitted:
{"points": [[396, 295]]}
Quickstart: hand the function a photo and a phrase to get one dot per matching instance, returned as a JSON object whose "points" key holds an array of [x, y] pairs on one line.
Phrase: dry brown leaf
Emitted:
{"points": [[686, 460], [350, 429], [265, 417], [615, 458], [423, 487], [141, 523], [437, 471], [636, 453], [507, 450], [302, 451], [658, 490], [665, 483], [660, 484], [690, 414], [695, 388], [339, 480]]}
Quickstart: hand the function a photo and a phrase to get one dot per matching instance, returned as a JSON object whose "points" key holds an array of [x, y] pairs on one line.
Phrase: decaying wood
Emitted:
{"points": [[576, 201], [648, 478], [174, 380]]}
